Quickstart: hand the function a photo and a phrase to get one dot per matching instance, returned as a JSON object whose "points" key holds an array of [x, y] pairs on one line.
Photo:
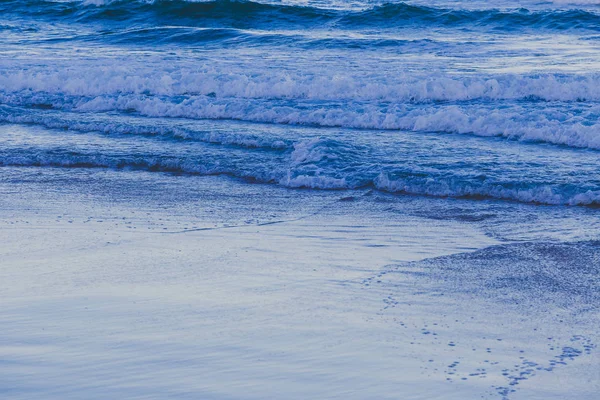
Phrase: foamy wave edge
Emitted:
{"points": [[434, 187]]}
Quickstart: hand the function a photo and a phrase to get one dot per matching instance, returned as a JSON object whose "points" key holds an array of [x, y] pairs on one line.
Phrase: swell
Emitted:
{"points": [[231, 37], [242, 14]]}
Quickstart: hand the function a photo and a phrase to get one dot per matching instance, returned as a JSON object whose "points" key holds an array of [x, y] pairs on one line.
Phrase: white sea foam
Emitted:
{"points": [[507, 105], [564, 125], [577, 2], [208, 80], [313, 182], [542, 194]]}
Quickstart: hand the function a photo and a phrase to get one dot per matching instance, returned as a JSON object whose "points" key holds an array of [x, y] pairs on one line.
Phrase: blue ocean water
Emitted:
{"points": [[473, 99]]}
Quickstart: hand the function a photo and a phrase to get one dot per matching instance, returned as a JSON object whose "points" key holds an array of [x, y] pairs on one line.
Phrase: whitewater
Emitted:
{"points": [[261, 182]]}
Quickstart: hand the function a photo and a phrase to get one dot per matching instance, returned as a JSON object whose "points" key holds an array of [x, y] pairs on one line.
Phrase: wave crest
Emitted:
{"points": [[248, 13]]}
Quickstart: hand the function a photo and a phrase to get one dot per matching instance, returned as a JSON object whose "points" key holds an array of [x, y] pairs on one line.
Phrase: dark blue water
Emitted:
{"points": [[481, 100]]}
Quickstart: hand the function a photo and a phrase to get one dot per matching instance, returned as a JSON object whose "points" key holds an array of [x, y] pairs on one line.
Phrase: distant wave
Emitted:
{"points": [[253, 14], [232, 37]]}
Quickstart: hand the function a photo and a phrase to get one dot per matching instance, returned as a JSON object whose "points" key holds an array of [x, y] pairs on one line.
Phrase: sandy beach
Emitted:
{"points": [[132, 285]]}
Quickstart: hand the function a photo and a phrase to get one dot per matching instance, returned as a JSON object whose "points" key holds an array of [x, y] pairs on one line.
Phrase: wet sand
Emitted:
{"points": [[143, 287]]}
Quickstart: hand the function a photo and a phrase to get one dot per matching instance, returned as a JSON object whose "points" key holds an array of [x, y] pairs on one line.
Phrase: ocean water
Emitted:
{"points": [[414, 149], [481, 100]]}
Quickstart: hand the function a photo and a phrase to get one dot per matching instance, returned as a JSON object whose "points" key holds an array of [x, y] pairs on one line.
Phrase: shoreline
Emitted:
{"points": [[275, 294]]}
